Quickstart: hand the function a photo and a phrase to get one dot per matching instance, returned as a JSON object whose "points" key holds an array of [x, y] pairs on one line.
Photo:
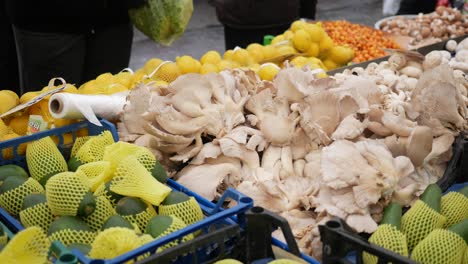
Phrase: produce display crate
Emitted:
{"points": [[216, 215], [342, 245], [253, 242], [423, 50]]}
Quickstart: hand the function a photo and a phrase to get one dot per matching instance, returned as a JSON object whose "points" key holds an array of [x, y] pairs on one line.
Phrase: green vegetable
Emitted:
{"points": [[432, 196], [116, 221], [12, 170], [130, 206], [392, 215], [33, 199], [46, 177], [158, 224], [175, 197], [460, 229], [162, 20], [159, 173], [68, 222], [11, 183], [73, 164], [87, 205]]}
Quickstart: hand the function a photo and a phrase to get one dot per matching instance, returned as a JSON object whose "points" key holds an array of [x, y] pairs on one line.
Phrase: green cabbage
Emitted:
{"points": [[162, 20]]}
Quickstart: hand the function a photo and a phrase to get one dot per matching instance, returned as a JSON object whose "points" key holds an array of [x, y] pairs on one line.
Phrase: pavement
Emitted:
{"points": [[204, 31]]}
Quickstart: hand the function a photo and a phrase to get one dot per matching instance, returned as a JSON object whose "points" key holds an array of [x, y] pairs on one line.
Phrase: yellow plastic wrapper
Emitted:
{"points": [[94, 173], [419, 221], [440, 247], [12, 200], [389, 237], [93, 149], [37, 215], [28, 246], [454, 206], [132, 179], [116, 241], [119, 151]]}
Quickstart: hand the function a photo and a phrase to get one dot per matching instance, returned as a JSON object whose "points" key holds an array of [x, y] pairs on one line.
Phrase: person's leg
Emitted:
{"points": [[43, 56], [8, 61], [308, 9], [108, 50]]}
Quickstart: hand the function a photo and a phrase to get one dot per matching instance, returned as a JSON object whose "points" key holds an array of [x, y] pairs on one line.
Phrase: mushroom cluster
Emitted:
{"points": [[425, 29], [306, 148]]}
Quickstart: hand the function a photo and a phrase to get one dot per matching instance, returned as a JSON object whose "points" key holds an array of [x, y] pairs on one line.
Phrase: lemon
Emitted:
{"points": [[28, 96], [268, 71], [151, 65], [316, 32], [208, 67], [298, 25], [60, 122], [313, 50], [301, 40], [7, 153], [136, 78], [242, 57], [116, 88], [167, 72], [255, 67], [19, 124], [228, 54], [321, 75], [187, 64], [284, 50], [269, 52], [4, 129], [226, 64], [299, 61], [161, 83], [341, 54], [326, 44], [288, 34], [123, 78], [256, 52], [211, 57], [8, 100], [277, 39], [331, 65], [316, 61], [104, 78]]}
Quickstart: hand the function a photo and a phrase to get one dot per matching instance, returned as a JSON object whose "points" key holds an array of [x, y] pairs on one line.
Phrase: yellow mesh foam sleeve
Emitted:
{"points": [[12, 200], [229, 261], [28, 246], [114, 242], [64, 192], [418, 222], [131, 178], [3, 239], [454, 206], [44, 158], [69, 236], [188, 211], [439, 247], [119, 151], [389, 237], [465, 259], [37, 215], [141, 219], [176, 224], [93, 149], [101, 191], [94, 173], [103, 211], [79, 142]]}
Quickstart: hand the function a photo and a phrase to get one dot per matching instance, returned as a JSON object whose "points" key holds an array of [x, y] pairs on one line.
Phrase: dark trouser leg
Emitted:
{"points": [[308, 8], [8, 61], [108, 50], [43, 56]]}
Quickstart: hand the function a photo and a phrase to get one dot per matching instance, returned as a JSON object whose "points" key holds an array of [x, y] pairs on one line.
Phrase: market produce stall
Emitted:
{"points": [[270, 122]]}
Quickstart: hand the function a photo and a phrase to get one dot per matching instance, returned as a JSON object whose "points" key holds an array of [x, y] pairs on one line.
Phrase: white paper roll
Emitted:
{"points": [[76, 106]]}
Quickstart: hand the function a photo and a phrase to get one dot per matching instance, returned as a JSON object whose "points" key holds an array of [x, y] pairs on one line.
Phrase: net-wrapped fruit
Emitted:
{"points": [[14, 189], [36, 211], [28, 246], [44, 160], [163, 225], [71, 230], [135, 211], [91, 150], [182, 206], [68, 195], [102, 212]]}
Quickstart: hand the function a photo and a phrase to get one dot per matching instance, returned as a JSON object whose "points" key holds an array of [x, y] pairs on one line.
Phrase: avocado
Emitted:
{"points": [[130, 206], [33, 199], [11, 183], [115, 197], [87, 205], [116, 221], [158, 224], [68, 222], [83, 248], [73, 164], [46, 177], [175, 197], [10, 170], [159, 173], [1, 231]]}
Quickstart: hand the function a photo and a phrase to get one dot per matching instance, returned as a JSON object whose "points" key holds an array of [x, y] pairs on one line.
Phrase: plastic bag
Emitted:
{"points": [[162, 20], [390, 7]]}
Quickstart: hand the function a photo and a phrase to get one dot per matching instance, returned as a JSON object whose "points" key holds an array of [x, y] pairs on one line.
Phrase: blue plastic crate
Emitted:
{"points": [[216, 215]]}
